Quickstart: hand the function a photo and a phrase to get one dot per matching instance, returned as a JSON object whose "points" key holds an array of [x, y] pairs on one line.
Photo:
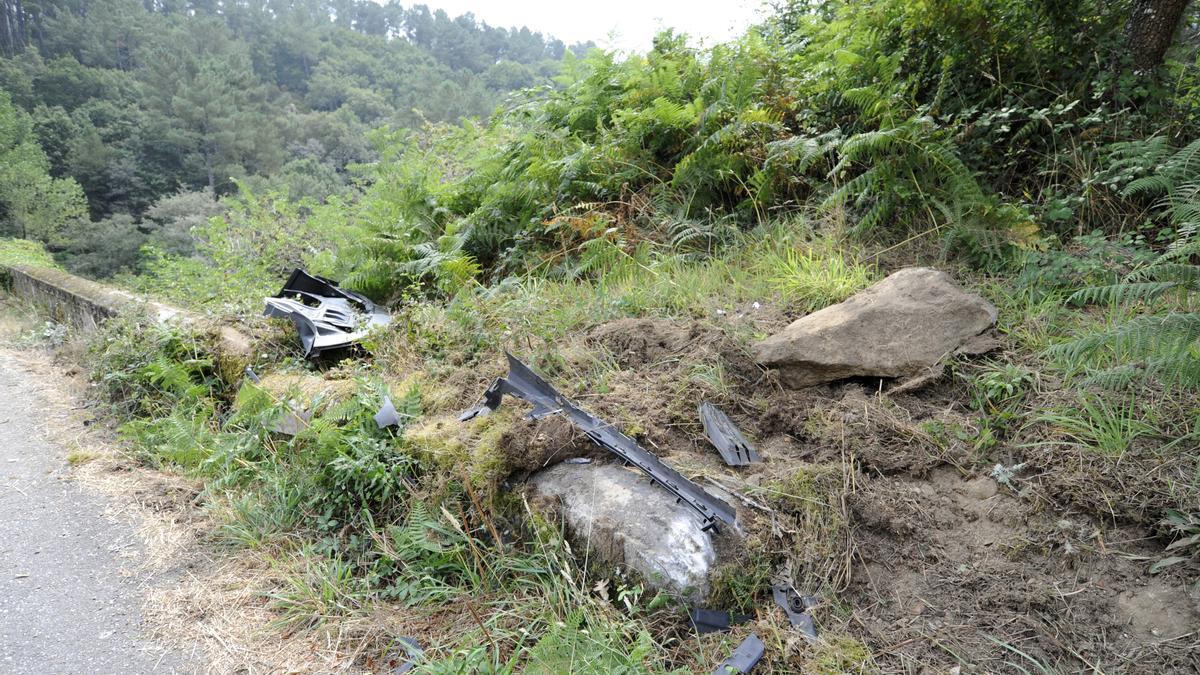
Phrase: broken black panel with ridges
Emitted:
{"points": [[744, 658], [526, 385], [726, 438]]}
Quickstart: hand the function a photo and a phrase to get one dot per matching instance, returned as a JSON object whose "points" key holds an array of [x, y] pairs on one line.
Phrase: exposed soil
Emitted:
{"points": [[947, 567]]}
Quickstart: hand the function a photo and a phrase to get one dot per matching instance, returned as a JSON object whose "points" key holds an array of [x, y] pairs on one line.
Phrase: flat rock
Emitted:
{"points": [[621, 517], [898, 328]]}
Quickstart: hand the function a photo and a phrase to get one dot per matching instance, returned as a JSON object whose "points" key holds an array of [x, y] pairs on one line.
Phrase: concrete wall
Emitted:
{"points": [[76, 301], [85, 304]]}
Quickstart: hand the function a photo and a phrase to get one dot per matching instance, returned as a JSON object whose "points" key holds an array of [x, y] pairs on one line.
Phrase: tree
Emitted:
{"points": [[1151, 30], [33, 204], [169, 223]]}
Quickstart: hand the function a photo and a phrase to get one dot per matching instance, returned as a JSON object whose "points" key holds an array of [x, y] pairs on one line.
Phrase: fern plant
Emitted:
{"points": [[911, 173], [1163, 342]]}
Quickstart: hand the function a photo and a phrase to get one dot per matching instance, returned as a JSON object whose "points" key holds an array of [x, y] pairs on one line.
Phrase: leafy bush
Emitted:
{"points": [[147, 369]]}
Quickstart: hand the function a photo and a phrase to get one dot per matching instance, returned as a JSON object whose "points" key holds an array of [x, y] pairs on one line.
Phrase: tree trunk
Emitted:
{"points": [[212, 184], [20, 11], [5, 30], [1151, 30]]}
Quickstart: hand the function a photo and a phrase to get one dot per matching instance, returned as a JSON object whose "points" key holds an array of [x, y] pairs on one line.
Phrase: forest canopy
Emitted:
{"points": [[141, 103]]}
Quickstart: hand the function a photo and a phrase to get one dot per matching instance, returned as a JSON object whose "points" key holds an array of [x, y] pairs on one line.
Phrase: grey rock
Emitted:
{"points": [[621, 517], [900, 327]]}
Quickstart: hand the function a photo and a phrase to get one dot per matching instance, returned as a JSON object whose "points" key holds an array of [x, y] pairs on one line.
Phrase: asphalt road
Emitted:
{"points": [[66, 606]]}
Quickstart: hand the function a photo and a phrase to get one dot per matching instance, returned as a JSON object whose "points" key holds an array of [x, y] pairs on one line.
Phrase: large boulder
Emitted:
{"points": [[621, 517], [898, 328]]}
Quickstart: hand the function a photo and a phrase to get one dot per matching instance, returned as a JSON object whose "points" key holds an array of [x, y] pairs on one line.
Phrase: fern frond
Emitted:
{"points": [[1138, 338], [1122, 292]]}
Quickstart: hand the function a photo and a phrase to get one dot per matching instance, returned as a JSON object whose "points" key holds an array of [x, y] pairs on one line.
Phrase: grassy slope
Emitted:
{"points": [[641, 344]]}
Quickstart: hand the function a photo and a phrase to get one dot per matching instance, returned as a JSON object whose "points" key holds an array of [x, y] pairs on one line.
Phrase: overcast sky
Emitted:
{"points": [[613, 24]]}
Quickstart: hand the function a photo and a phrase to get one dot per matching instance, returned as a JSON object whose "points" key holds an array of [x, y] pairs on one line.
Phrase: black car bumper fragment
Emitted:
{"points": [[526, 385]]}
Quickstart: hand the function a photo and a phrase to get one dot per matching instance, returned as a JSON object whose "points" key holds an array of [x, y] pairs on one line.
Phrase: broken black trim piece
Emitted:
{"points": [[715, 620], [744, 658], [797, 608], [526, 385], [415, 653], [726, 438], [326, 317]]}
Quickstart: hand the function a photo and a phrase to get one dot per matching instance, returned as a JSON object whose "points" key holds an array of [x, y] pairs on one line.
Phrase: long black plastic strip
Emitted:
{"points": [[526, 385]]}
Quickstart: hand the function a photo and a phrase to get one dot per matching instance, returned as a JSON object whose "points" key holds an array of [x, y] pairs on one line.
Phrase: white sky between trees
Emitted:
{"points": [[614, 24]]}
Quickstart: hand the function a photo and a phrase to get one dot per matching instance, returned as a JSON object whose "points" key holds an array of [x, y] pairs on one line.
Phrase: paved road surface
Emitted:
{"points": [[65, 607]]}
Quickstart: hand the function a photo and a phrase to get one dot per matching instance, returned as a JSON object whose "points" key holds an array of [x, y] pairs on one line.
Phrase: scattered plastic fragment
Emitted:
{"points": [[725, 437], [293, 420], [1004, 475], [252, 375], [327, 317], [526, 385], [387, 415], [715, 620], [744, 658], [577, 460], [415, 653], [797, 609]]}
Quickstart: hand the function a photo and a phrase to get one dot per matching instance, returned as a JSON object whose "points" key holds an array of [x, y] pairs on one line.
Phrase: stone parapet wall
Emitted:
{"points": [[85, 304]]}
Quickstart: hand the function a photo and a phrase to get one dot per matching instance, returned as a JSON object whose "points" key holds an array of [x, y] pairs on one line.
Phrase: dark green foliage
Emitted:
{"points": [[33, 203], [984, 125], [1162, 341], [139, 101]]}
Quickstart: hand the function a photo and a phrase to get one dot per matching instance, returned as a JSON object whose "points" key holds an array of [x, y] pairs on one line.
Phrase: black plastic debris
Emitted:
{"points": [[415, 653], [726, 438], [387, 415], [744, 658], [526, 385], [797, 608], [715, 620], [327, 317]]}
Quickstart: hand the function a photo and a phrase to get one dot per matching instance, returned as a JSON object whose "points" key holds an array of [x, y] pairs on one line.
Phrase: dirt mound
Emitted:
{"points": [[882, 504], [659, 343], [636, 343], [529, 446]]}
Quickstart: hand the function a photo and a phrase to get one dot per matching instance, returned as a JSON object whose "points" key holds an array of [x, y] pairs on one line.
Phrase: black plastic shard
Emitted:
{"points": [[744, 658], [327, 317], [414, 652], [725, 437], [715, 620], [526, 385], [796, 607]]}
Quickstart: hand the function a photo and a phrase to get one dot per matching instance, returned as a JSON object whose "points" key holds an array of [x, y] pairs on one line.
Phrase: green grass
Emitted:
{"points": [[808, 278], [25, 252], [1096, 423]]}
